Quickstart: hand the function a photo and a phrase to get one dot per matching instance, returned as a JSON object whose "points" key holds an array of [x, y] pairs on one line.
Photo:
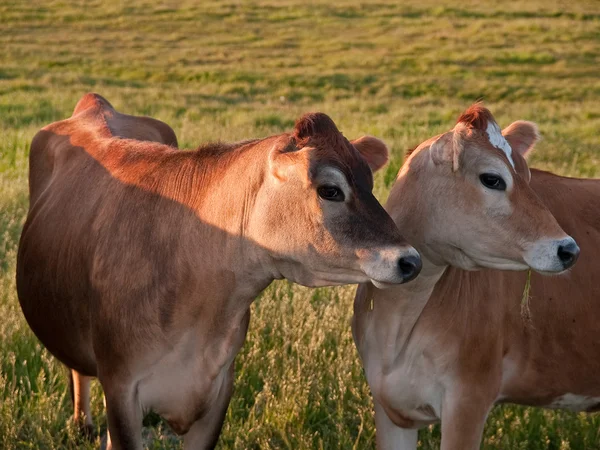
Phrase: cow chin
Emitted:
{"points": [[470, 261], [313, 278]]}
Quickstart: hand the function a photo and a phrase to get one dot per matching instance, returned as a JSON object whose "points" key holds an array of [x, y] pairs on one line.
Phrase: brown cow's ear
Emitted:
{"points": [[522, 136], [373, 150]]}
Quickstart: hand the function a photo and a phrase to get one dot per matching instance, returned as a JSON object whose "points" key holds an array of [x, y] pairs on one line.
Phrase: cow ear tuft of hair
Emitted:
{"points": [[476, 117], [313, 125]]}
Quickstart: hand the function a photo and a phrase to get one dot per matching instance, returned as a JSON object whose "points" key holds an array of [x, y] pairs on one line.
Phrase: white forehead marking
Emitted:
{"points": [[498, 141]]}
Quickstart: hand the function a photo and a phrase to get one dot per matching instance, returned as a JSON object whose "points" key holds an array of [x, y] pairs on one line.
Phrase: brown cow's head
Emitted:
{"points": [[464, 199], [318, 216]]}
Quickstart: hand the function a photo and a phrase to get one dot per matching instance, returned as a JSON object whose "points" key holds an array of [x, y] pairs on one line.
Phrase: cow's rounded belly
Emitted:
{"points": [[69, 342], [55, 301]]}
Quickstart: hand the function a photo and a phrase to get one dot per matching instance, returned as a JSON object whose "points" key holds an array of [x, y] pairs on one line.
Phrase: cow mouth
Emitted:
{"points": [[383, 284]]}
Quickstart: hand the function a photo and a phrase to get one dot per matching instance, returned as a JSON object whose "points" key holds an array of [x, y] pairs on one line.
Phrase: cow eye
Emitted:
{"points": [[492, 181], [331, 193]]}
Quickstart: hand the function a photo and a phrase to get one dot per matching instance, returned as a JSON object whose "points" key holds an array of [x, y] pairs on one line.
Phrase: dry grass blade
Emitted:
{"points": [[525, 310]]}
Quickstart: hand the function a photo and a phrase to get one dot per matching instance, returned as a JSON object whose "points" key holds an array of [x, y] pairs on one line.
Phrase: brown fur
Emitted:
{"points": [[138, 262], [315, 126], [117, 124]]}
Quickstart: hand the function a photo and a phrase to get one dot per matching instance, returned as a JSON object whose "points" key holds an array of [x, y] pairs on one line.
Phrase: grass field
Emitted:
{"points": [[402, 71]]}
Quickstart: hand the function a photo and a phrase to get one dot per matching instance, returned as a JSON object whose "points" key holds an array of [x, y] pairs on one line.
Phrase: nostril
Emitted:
{"points": [[568, 254], [409, 266]]}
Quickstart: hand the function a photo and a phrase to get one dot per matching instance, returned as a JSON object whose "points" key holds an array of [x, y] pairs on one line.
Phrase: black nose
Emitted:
{"points": [[568, 254], [409, 266]]}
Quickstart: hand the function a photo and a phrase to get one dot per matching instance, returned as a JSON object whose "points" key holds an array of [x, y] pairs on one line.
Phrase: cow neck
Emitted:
{"points": [[225, 202], [226, 186], [396, 310], [220, 185]]}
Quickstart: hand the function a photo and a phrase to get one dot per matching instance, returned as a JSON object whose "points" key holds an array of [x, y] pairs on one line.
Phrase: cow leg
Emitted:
{"points": [[108, 443], [204, 433], [80, 394], [124, 414], [389, 436], [463, 419]]}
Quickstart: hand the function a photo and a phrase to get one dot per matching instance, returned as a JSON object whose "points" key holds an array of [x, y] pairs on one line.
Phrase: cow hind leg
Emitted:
{"points": [[80, 395]]}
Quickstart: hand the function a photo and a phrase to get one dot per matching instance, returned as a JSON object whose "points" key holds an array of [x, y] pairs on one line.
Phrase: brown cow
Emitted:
{"points": [[138, 263], [453, 342], [128, 127]]}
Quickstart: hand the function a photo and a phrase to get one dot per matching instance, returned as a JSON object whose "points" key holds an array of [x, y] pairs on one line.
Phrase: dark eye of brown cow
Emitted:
{"points": [[492, 181], [331, 193]]}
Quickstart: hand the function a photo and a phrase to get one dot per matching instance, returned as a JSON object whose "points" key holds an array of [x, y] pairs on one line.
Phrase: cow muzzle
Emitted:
{"points": [[552, 256], [390, 265]]}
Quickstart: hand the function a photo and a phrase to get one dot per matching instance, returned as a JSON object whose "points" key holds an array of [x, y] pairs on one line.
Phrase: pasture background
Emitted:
{"points": [[402, 71]]}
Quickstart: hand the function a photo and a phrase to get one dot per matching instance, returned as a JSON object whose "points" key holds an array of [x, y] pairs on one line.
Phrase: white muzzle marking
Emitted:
{"points": [[543, 256], [382, 265]]}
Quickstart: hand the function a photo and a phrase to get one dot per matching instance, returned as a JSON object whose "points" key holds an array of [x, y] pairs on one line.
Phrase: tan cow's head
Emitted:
{"points": [[464, 199], [317, 214]]}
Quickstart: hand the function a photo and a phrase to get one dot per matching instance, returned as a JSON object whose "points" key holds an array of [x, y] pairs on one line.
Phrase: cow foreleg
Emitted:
{"points": [[389, 436], [124, 414], [82, 415], [463, 418], [204, 433]]}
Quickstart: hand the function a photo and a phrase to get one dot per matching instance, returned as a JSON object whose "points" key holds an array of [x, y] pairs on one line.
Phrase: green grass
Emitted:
{"points": [[402, 71]]}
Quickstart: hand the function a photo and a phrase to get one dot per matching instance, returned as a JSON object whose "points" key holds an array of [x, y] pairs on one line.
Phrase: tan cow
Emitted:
{"points": [[138, 263], [453, 343]]}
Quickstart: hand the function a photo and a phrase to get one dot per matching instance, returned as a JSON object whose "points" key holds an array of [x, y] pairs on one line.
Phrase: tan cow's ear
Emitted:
{"points": [[522, 136], [373, 150], [446, 149]]}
